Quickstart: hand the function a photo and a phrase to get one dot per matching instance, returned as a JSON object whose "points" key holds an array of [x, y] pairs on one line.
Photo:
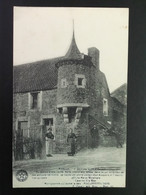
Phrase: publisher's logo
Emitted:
{"points": [[21, 175]]}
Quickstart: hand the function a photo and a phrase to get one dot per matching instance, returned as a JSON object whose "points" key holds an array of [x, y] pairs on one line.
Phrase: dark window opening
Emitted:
{"points": [[34, 100], [80, 81], [48, 121], [60, 110], [71, 113]]}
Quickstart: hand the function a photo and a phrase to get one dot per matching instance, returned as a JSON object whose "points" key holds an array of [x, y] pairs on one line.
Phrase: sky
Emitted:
{"points": [[44, 32]]}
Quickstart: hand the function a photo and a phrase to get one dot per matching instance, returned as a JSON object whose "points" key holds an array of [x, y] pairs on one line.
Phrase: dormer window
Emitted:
{"points": [[105, 107], [80, 81], [63, 83]]}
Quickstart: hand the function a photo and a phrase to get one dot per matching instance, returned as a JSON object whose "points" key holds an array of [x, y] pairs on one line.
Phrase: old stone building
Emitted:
{"points": [[119, 98], [64, 92]]}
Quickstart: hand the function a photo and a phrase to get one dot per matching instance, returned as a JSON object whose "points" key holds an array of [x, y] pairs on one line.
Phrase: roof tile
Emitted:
{"points": [[41, 75]]}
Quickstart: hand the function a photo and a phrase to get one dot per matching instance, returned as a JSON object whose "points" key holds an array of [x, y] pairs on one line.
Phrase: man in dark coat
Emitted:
{"points": [[71, 140], [49, 142], [94, 136]]}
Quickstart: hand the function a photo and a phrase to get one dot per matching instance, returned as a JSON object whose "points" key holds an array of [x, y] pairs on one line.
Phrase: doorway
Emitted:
{"points": [[48, 122]]}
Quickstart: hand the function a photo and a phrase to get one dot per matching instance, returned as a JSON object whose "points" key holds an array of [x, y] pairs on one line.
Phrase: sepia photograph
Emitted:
{"points": [[70, 69]]}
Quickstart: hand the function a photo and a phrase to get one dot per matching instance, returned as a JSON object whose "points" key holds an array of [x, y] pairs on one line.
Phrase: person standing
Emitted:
{"points": [[49, 142], [71, 140], [95, 136]]}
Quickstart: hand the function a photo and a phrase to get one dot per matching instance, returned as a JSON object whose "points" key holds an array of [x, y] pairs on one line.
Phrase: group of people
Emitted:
{"points": [[71, 140]]}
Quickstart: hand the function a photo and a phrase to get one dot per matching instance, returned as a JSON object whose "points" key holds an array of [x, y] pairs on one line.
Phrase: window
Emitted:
{"points": [[35, 100], [48, 122], [71, 113], [105, 107], [80, 81], [63, 83]]}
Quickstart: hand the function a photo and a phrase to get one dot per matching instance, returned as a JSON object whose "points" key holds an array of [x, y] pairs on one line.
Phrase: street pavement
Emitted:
{"points": [[103, 157]]}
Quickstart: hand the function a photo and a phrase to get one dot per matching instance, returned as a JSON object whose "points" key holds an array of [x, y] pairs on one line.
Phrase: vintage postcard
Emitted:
{"points": [[70, 97]]}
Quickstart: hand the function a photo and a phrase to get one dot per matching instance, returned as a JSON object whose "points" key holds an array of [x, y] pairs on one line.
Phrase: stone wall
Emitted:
{"points": [[21, 106], [49, 102], [81, 130], [94, 54], [98, 91], [95, 90], [22, 112], [72, 94]]}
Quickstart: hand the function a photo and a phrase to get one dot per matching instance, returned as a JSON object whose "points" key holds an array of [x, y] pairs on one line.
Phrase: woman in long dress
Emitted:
{"points": [[71, 140]]}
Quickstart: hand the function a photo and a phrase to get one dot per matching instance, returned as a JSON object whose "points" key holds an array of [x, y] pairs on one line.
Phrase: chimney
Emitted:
{"points": [[93, 52]]}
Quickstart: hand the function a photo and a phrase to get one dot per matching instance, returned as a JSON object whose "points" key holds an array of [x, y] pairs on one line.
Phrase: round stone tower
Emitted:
{"points": [[73, 83]]}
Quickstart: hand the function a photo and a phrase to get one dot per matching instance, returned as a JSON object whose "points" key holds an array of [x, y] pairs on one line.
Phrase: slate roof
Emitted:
{"points": [[73, 51], [120, 94], [40, 75]]}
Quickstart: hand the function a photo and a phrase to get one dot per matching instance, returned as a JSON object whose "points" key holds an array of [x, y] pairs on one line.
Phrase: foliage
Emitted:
{"points": [[26, 146]]}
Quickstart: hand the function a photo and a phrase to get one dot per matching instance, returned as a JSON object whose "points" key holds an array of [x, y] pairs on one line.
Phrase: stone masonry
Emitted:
{"points": [[74, 97]]}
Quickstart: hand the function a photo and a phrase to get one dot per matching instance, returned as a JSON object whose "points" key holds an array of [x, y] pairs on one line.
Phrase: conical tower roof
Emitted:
{"points": [[73, 51]]}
